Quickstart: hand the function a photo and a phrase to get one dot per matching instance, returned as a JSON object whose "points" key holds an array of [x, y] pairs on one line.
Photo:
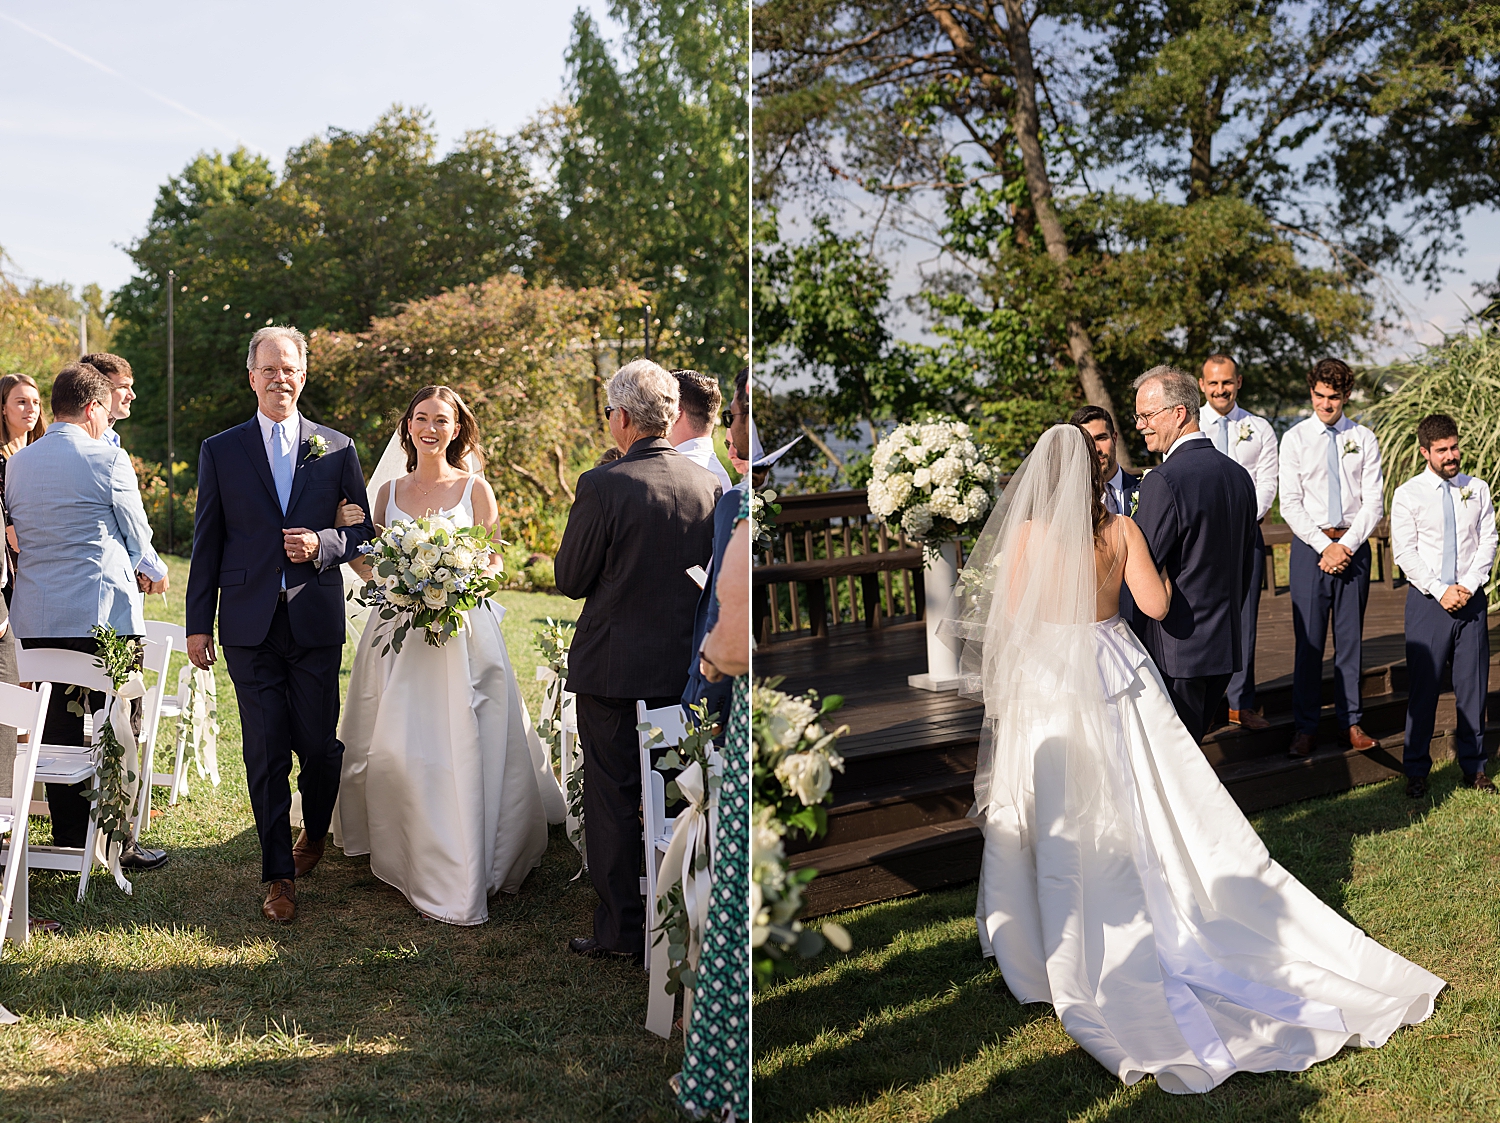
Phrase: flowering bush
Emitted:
{"points": [[428, 573], [930, 480], [792, 761]]}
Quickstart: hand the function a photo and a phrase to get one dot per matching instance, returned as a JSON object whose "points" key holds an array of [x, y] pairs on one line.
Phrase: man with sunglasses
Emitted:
{"points": [[1197, 511]]}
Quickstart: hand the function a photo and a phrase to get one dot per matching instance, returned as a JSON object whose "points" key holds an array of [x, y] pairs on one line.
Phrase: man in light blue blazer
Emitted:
{"points": [[82, 533]]}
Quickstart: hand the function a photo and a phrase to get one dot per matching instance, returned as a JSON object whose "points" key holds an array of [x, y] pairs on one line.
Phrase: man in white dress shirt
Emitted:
{"points": [[1250, 442], [120, 376], [692, 434], [1443, 537], [1331, 497]]}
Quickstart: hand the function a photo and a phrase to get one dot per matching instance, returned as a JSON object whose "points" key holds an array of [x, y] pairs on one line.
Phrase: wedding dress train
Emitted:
{"points": [[445, 783]]}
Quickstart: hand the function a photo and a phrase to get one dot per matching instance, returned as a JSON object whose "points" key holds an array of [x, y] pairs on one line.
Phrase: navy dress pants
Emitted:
{"points": [[289, 703], [1436, 638], [1317, 596], [1242, 682]]}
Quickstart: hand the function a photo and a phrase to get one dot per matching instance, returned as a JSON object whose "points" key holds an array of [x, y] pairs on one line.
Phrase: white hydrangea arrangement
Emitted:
{"points": [[931, 480]]}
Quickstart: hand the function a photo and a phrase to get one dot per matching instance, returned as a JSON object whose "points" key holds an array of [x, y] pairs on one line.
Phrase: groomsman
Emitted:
{"points": [[1443, 537], [1331, 497], [122, 380], [1119, 485], [1250, 442]]}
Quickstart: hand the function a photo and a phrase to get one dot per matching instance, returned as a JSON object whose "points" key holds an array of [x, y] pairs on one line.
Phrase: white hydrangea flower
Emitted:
{"points": [[947, 471], [917, 521]]}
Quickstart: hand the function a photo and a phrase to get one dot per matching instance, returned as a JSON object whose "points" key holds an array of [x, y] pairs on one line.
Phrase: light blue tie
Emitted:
{"points": [[281, 464], [1450, 539], [1224, 435], [1335, 486]]}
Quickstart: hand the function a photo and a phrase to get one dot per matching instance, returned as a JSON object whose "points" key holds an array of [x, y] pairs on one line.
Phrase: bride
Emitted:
{"points": [[445, 785], [1120, 882]]}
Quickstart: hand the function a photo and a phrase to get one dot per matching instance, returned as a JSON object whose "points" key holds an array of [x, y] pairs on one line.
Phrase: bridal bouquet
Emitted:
{"points": [[428, 573], [930, 480]]}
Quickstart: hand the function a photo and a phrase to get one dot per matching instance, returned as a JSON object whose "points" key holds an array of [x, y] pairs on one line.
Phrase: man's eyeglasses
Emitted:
{"points": [[728, 416], [609, 411], [272, 372], [1140, 420]]}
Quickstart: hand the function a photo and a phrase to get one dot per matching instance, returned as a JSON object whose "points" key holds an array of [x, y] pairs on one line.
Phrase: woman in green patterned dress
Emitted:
{"points": [[715, 1080]]}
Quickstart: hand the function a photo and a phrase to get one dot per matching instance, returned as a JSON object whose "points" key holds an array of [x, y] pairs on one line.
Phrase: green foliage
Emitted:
{"points": [[1459, 377], [111, 795], [153, 481], [39, 326]]}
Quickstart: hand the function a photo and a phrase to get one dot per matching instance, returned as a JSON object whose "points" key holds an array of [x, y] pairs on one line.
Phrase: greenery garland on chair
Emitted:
{"points": [[553, 640], [198, 725], [114, 792]]}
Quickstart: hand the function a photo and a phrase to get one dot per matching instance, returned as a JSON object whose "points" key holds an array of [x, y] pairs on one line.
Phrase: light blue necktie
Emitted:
{"points": [[1224, 435], [281, 464], [1450, 539], [1335, 486]]}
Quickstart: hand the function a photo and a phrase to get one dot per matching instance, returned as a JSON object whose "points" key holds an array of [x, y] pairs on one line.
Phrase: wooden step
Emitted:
{"points": [[887, 809], [909, 861]]}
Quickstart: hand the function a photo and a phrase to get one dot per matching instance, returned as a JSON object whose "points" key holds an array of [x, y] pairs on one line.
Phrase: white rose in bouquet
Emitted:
{"points": [[807, 776], [420, 570], [435, 596], [922, 478], [916, 454]]}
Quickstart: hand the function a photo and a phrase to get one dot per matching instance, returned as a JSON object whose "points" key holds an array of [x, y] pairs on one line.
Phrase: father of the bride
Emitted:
{"points": [[1197, 511], [266, 555]]}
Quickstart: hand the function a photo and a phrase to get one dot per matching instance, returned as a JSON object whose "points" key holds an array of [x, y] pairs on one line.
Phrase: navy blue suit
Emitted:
{"points": [[717, 694], [282, 651], [1197, 512]]}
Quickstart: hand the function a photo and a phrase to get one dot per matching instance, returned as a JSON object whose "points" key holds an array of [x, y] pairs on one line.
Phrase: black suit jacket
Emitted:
{"points": [[239, 553], [637, 526], [1197, 512]]}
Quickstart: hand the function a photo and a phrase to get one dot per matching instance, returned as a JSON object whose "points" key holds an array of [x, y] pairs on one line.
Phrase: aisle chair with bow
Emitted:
{"points": [[67, 764], [26, 711], [673, 848], [156, 655]]}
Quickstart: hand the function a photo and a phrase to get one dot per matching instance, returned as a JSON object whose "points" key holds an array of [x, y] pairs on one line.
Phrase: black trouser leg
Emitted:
{"points": [[65, 802], [612, 817], [1195, 700], [289, 703]]}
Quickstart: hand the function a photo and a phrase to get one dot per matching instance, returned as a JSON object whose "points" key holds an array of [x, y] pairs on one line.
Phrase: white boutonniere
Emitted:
{"points": [[1247, 431], [1466, 494], [1135, 496], [317, 447], [1351, 446]]}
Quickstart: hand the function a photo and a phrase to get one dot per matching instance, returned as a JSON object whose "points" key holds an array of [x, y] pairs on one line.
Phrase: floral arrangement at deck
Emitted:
{"points": [[931, 480], [428, 572], [792, 761]]}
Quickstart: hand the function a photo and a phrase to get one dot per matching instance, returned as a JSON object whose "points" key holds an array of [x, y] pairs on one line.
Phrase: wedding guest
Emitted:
{"points": [[1443, 538], [726, 514], [715, 1074], [122, 381], [692, 434], [83, 531], [1119, 485], [610, 454], [20, 423], [1331, 498], [1250, 442], [636, 527]]}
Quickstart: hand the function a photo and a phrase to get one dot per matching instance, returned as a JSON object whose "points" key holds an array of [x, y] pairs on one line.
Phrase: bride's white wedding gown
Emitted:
{"points": [[1175, 947], [445, 783]]}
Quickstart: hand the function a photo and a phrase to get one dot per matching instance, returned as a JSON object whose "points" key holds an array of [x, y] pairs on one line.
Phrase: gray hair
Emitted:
{"points": [[277, 333], [647, 392], [1178, 387]]}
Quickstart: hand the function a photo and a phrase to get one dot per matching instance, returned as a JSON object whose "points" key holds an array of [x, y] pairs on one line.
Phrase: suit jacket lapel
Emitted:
{"points": [[255, 449], [299, 476]]}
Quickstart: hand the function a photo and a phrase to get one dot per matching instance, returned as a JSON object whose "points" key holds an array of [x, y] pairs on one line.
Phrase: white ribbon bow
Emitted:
{"points": [[106, 851]]}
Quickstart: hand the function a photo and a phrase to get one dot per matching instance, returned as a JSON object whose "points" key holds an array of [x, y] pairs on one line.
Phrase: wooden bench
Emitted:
{"points": [[1279, 534], [815, 575]]}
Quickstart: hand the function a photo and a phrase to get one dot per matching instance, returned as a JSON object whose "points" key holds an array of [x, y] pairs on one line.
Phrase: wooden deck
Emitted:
{"points": [[898, 821]]}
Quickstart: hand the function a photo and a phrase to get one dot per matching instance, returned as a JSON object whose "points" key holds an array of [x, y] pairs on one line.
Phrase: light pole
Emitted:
{"points": [[646, 326], [171, 444]]}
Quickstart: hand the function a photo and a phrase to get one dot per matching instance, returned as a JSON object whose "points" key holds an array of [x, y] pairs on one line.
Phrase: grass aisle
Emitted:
{"points": [[181, 1003], [915, 1026]]}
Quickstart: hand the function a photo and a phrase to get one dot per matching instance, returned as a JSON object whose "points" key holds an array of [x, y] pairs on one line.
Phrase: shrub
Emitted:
{"points": [[153, 481]]}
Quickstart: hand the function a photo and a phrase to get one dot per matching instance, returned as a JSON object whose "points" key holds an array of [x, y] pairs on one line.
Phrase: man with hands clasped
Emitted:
{"points": [[1443, 538], [1331, 498], [1250, 442]]}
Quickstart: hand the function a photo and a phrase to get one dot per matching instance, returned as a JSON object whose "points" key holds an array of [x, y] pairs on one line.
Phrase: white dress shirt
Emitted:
{"points": [[1250, 442], [700, 450], [1116, 488], [1182, 440], [151, 566], [291, 427], [1304, 483], [1417, 531]]}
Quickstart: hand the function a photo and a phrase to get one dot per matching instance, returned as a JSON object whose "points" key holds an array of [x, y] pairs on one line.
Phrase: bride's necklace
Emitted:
{"points": [[426, 491]]}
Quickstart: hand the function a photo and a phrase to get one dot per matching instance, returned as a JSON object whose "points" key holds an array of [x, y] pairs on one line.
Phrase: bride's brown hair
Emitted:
{"points": [[465, 441], [1096, 492]]}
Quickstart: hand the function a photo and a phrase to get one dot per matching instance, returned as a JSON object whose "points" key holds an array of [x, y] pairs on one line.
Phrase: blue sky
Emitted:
{"points": [[84, 151]]}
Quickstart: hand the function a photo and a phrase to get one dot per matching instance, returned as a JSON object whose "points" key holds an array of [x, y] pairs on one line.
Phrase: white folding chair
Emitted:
{"points": [[156, 655], [169, 706], [66, 764], [656, 826], [26, 711]]}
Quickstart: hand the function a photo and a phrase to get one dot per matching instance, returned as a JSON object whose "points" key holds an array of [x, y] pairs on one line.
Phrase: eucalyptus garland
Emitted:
{"points": [[552, 641], [115, 780]]}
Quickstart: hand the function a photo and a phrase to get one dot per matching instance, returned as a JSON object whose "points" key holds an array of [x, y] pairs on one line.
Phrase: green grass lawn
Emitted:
{"points": [[181, 1003], [913, 1025]]}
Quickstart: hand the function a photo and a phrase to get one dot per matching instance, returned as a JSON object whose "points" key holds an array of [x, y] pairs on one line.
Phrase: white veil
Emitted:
{"points": [[1030, 648]]}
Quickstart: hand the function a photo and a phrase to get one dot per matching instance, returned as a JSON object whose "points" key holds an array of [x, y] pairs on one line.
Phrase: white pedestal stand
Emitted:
{"points": [[938, 579]]}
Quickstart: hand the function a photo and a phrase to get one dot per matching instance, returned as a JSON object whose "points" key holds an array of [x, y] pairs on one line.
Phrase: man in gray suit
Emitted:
{"points": [[638, 525], [82, 532]]}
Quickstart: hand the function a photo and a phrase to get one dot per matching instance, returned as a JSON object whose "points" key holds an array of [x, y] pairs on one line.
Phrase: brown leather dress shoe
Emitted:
{"points": [[1248, 719], [306, 853], [1302, 746], [1358, 738], [1480, 783], [281, 901]]}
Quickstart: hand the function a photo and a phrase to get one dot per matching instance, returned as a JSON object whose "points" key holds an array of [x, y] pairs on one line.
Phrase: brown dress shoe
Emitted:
{"points": [[1248, 719], [1358, 738], [306, 853], [1302, 746], [1480, 783], [281, 901]]}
